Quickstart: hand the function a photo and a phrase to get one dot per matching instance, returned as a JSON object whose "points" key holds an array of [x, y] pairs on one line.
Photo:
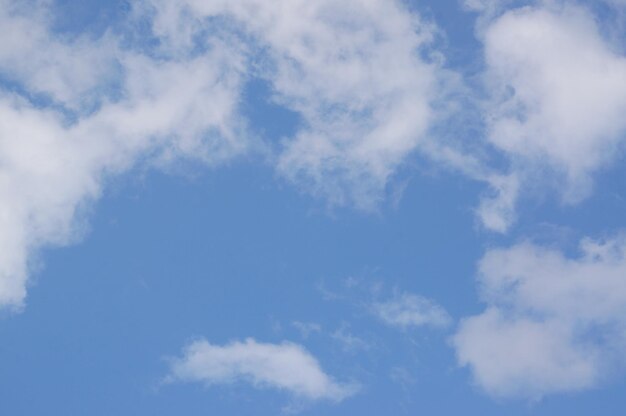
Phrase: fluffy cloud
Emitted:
{"points": [[407, 310], [553, 323], [352, 70], [70, 72], [558, 97], [286, 366], [57, 149]]}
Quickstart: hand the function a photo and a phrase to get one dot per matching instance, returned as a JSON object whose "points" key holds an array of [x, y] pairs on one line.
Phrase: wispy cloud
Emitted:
{"points": [[306, 329], [353, 70], [348, 341], [408, 310]]}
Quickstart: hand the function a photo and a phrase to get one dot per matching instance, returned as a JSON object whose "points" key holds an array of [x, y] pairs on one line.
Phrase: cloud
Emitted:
{"points": [[558, 95], [70, 72], [553, 323], [287, 367], [408, 310], [497, 211], [56, 152], [361, 75], [353, 71], [167, 84]]}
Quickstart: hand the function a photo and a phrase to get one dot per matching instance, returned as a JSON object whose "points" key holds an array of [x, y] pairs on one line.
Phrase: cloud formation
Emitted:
{"points": [[168, 84], [353, 70], [63, 133], [558, 95], [286, 366], [553, 323]]}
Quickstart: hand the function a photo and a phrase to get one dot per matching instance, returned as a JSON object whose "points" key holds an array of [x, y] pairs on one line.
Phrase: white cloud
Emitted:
{"points": [[352, 70], [498, 211], [286, 366], [52, 165], [408, 310], [69, 71], [553, 323], [558, 97]]}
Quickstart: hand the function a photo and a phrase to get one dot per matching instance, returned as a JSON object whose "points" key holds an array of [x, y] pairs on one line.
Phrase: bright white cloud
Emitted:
{"points": [[554, 323], [288, 367], [558, 98], [407, 310]]}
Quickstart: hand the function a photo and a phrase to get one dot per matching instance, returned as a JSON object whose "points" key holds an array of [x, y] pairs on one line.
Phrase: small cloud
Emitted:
{"points": [[286, 366], [408, 310]]}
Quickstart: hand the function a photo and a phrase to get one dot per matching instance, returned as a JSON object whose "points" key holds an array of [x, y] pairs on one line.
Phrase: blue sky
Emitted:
{"points": [[360, 207]]}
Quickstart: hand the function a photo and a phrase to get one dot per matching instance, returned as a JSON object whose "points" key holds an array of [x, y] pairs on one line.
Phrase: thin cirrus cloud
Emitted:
{"points": [[553, 323], [287, 367]]}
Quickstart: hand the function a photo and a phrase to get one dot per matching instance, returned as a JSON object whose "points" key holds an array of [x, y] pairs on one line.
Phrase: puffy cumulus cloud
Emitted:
{"points": [[558, 93], [553, 323], [54, 156], [407, 310], [286, 366], [353, 70]]}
